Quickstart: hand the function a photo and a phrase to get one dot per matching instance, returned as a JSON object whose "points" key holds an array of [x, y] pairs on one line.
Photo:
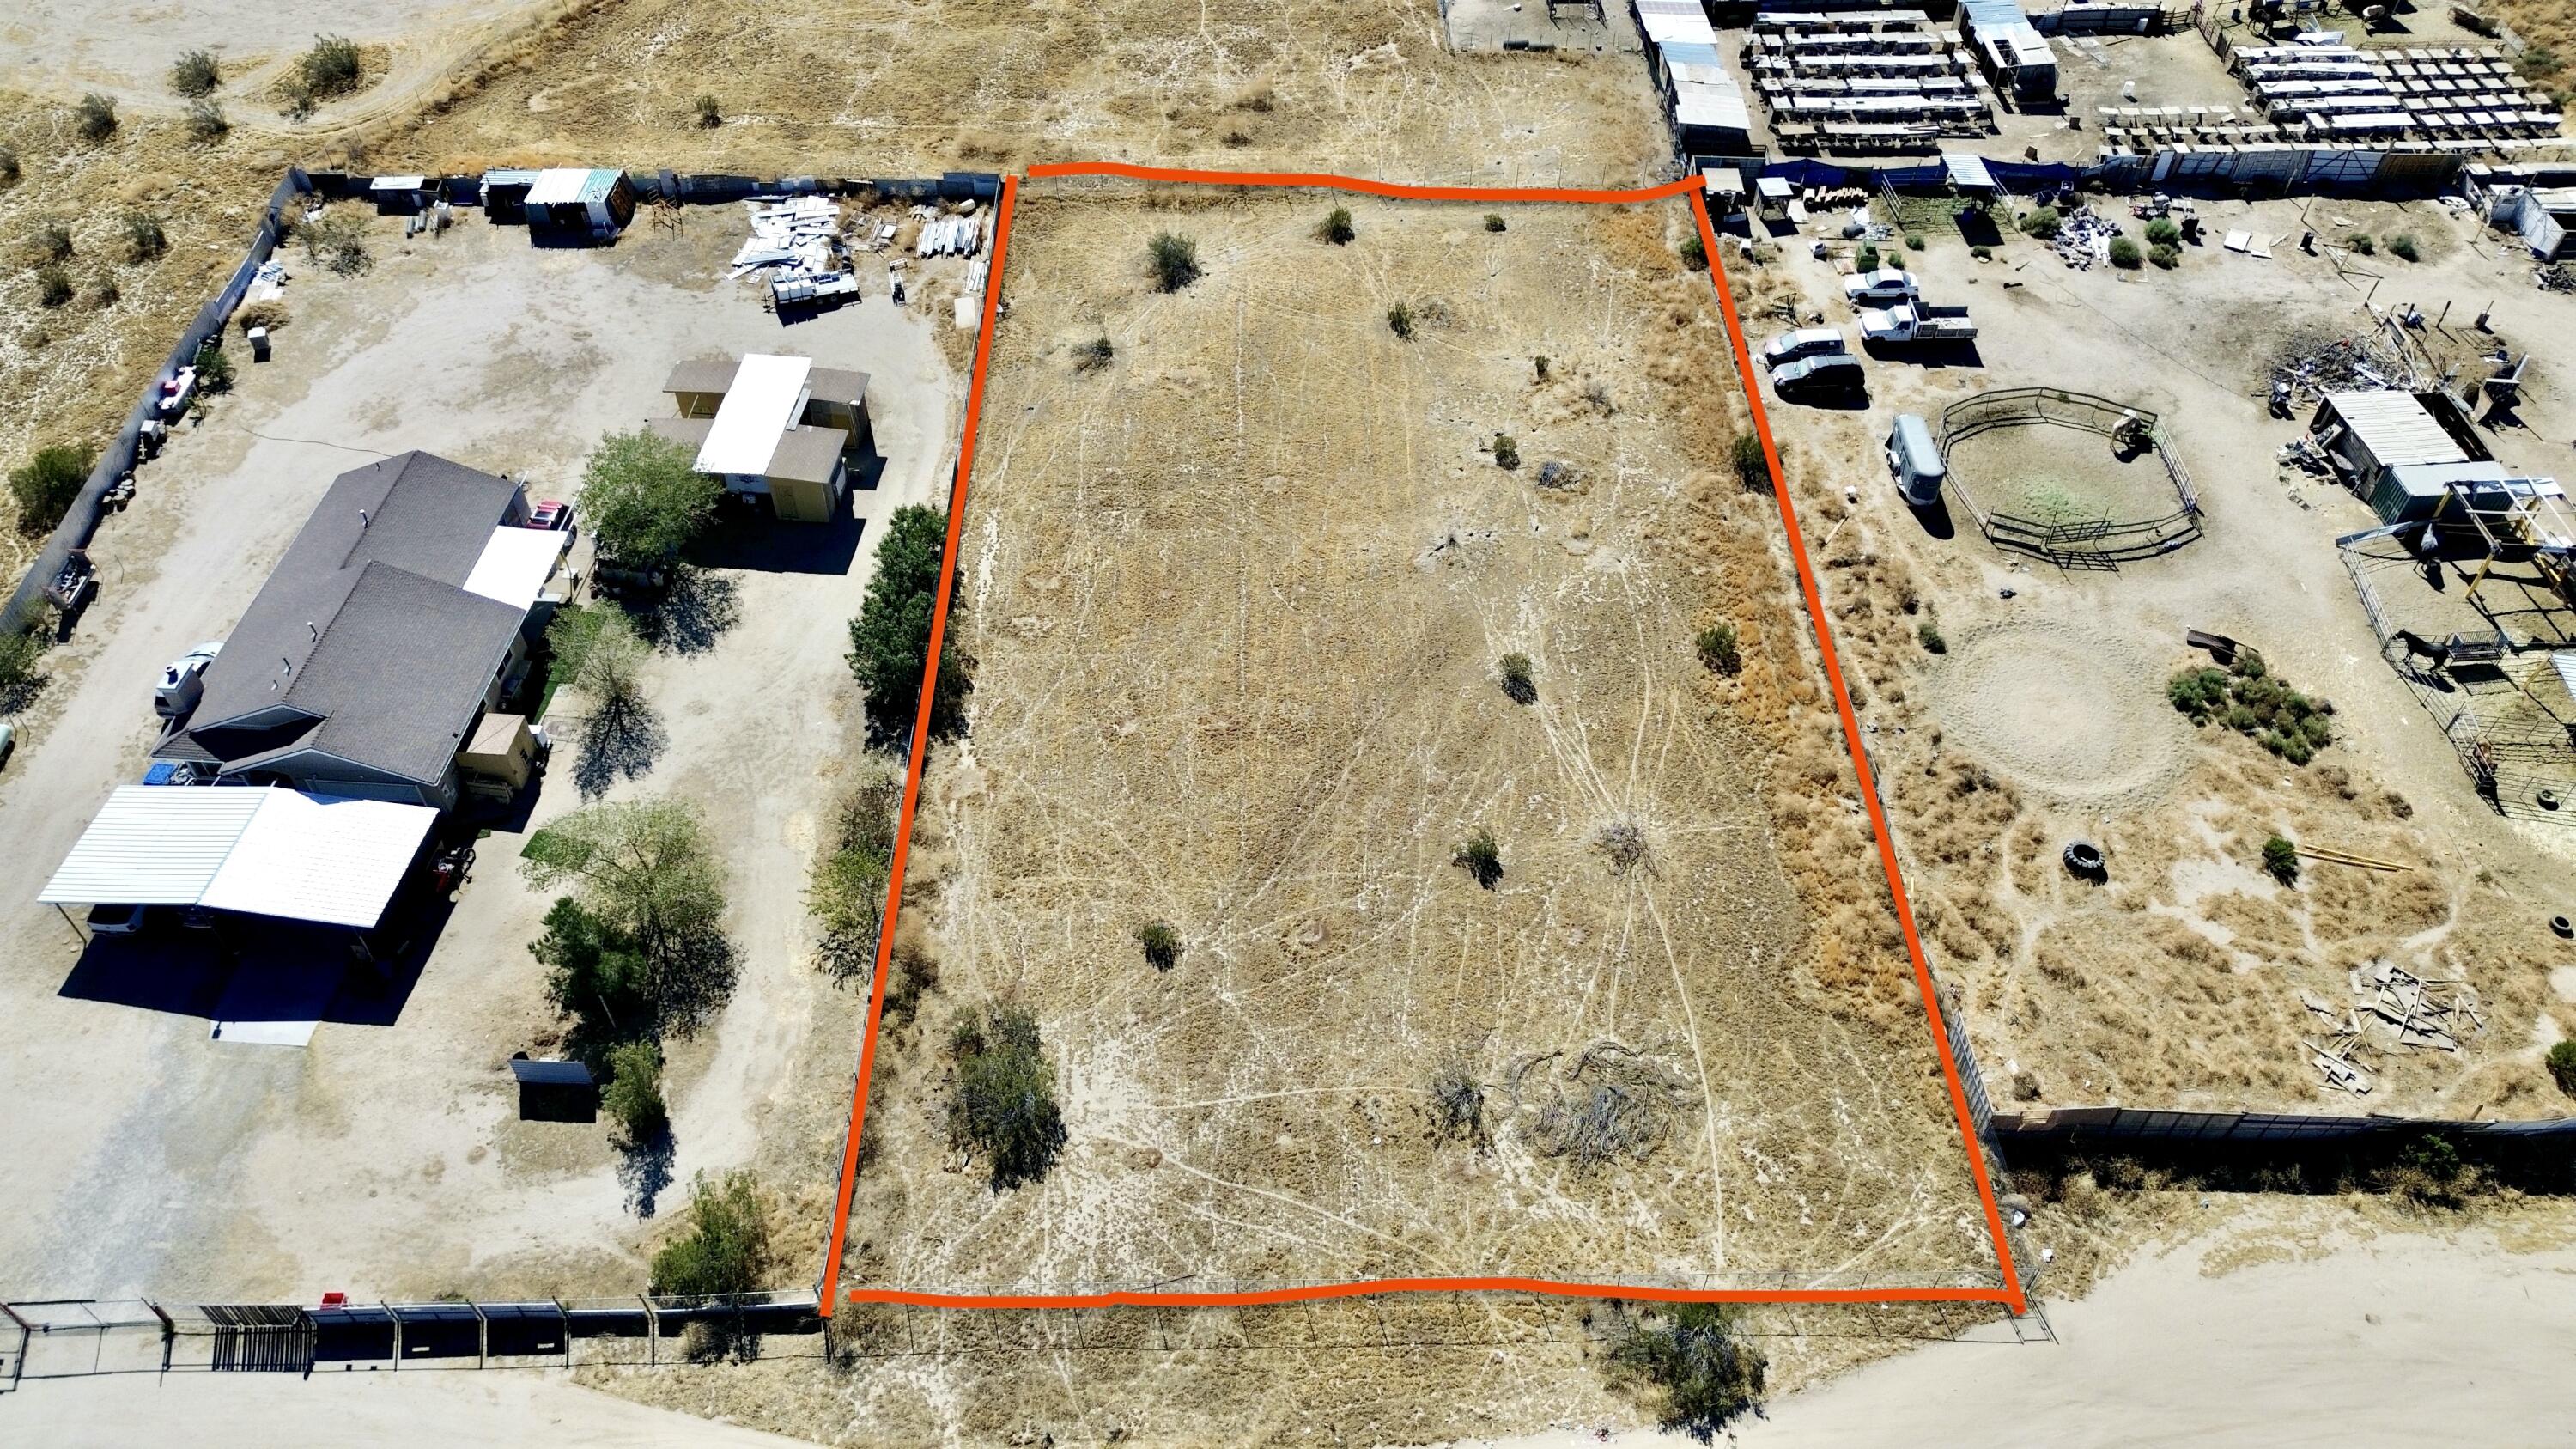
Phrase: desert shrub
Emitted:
{"points": [[1494, 221], [214, 369], [2562, 1066], [2163, 229], [2164, 256], [105, 292], [2042, 223], [1457, 1105], [145, 237], [2362, 243], [911, 973], [1694, 254], [53, 284], [51, 242], [94, 117], [2281, 860], [1174, 261], [890, 639], [1718, 650], [1597, 394], [337, 242], [1557, 473], [330, 68], [1507, 453], [1519, 685], [45, 485], [726, 1249], [207, 123], [1689, 1355], [633, 1095], [1914, 241], [1237, 138], [1162, 944], [1928, 634], [1399, 320], [1867, 258], [1336, 226], [1093, 355], [1001, 1099], [1623, 844], [1983, 254], [1751, 468], [1538, 368], [195, 74], [2248, 698], [846, 887], [2403, 245], [2125, 254], [710, 112], [9, 169], [2429, 1173], [1481, 857]]}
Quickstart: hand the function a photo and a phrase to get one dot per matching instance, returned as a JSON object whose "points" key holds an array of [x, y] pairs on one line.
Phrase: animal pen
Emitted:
{"points": [[2090, 532]]}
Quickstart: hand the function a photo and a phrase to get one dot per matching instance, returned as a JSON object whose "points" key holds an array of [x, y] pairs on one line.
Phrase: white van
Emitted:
{"points": [[1916, 461]]}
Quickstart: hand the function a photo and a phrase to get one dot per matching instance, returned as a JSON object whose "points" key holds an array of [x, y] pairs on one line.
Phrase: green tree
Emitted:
{"points": [[1694, 254], [1336, 227], [1002, 1095], [645, 497], [2281, 860], [1399, 320], [1866, 259], [1481, 857], [598, 655], [2562, 1066], [2043, 223], [846, 888], [634, 1092], [1752, 470], [594, 975], [1519, 685], [1691, 1355], [2125, 254], [890, 639], [214, 369], [1162, 944], [1718, 648], [332, 67], [45, 485], [644, 870], [726, 1249]]}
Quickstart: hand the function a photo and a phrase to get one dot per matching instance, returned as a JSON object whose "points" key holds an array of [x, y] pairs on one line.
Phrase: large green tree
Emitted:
{"points": [[645, 872], [645, 498], [890, 639], [599, 655]]}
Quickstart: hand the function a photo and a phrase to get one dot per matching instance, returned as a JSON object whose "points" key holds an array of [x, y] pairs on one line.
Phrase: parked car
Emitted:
{"points": [[183, 681], [551, 513], [1804, 342], [117, 920], [1834, 374], [1882, 288]]}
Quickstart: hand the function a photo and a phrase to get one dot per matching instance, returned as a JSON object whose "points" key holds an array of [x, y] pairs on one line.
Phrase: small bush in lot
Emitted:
{"points": [[1914, 241], [2163, 230], [2403, 245], [1690, 1355], [1174, 261], [1983, 254], [214, 370], [1556, 473], [94, 117], [1867, 258], [1694, 253], [51, 243], [1481, 857], [145, 237], [2042, 223], [20, 653], [2125, 254], [8, 167], [1093, 355], [195, 74], [1162, 944], [337, 243], [1751, 468], [330, 68], [2562, 1066], [2429, 1173], [710, 112], [53, 284], [634, 1093], [1929, 636], [1507, 453], [2362, 243], [1718, 650], [45, 485], [207, 123], [1399, 320], [105, 293], [2281, 860], [1538, 367], [1518, 684], [1336, 227], [1494, 221], [1457, 1106], [727, 1247], [1002, 1095], [1598, 395], [2248, 698], [2165, 257]]}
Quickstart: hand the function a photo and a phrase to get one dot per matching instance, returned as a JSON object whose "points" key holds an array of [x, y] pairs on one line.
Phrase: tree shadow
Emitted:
{"points": [[17, 696], [618, 742], [697, 977], [644, 1169], [692, 613]]}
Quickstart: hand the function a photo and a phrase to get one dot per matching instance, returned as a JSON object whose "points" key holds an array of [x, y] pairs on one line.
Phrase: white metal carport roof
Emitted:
{"points": [[2396, 428], [515, 564], [763, 400], [258, 849]]}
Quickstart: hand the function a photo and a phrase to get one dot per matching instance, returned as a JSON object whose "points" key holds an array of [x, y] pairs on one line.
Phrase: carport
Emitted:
{"points": [[259, 850]]}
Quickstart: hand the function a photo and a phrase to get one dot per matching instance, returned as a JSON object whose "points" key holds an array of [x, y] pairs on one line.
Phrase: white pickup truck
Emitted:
{"points": [[1916, 321]]}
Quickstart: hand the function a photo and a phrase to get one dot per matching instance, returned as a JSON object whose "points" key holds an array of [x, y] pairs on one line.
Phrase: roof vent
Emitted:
{"points": [[315, 632]]}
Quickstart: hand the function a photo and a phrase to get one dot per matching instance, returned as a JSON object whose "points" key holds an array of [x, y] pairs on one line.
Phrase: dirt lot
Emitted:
{"points": [[2181, 981], [387, 1158], [1274, 734]]}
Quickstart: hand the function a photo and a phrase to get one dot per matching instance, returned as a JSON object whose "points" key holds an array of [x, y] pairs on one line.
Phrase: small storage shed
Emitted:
{"points": [[592, 203], [2380, 441], [505, 194], [498, 757], [555, 1091]]}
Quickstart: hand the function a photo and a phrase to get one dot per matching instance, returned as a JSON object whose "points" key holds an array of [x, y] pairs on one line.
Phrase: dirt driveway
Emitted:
{"points": [[386, 1158]]}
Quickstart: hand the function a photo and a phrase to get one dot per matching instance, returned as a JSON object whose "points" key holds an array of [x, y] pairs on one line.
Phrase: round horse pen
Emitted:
{"points": [[2022, 463]]}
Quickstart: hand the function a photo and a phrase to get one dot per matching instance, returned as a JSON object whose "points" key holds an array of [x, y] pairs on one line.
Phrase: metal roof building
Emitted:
{"points": [[259, 850]]}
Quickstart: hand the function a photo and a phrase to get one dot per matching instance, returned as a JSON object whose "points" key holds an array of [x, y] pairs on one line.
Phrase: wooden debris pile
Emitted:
{"points": [[2392, 1010]]}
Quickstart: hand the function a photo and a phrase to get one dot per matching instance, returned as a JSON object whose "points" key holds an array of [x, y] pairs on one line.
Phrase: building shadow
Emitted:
{"points": [[1934, 518], [262, 969], [762, 544]]}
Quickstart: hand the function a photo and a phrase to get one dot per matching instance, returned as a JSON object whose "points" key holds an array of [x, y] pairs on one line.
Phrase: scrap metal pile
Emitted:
{"points": [[2307, 368], [801, 234], [2083, 239]]}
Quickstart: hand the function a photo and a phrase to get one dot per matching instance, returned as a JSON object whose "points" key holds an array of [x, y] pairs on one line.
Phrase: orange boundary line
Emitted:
{"points": [[2010, 1294]]}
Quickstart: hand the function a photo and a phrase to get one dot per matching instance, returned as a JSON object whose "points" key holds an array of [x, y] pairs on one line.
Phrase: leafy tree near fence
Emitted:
{"points": [[1001, 1100], [727, 1247], [1692, 1357], [846, 889], [644, 873], [45, 486], [890, 639]]}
